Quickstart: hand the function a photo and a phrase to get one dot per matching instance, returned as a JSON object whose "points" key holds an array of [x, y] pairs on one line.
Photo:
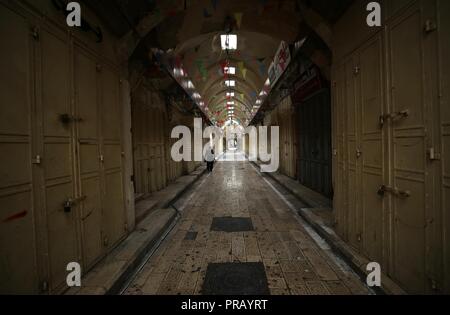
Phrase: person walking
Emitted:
{"points": [[210, 159]]}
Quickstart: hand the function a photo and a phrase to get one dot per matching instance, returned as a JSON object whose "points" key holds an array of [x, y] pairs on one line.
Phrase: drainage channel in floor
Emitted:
{"points": [[232, 224], [235, 279]]}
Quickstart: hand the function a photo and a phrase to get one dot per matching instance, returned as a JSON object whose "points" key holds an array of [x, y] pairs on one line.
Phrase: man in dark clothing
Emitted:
{"points": [[210, 158]]}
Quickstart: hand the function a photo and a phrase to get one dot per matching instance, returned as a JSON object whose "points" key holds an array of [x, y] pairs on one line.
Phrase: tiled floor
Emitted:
{"points": [[293, 262]]}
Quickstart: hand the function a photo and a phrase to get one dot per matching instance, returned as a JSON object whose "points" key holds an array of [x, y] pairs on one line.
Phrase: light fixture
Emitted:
{"points": [[178, 72], [188, 85], [230, 103], [230, 83], [263, 93], [230, 94], [258, 102], [230, 70], [267, 82], [196, 95], [229, 41]]}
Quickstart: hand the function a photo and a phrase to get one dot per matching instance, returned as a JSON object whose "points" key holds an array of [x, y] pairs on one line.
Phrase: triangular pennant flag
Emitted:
{"points": [[206, 13], [244, 73], [241, 66], [238, 17], [262, 68], [214, 3]]}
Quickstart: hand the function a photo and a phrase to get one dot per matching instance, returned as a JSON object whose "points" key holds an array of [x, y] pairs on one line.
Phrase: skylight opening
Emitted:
{"points": [[229, 41], [230, 70], [188, 85], [230, 83]]}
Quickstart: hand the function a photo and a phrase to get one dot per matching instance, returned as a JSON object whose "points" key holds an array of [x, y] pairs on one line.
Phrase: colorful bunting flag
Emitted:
{"points": [[238, 17], [244, 73], [206, 13], [214, 3]]}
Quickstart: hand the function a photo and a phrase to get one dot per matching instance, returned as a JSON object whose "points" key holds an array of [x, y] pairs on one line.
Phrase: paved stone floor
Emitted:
{"points": [[294, 262]]}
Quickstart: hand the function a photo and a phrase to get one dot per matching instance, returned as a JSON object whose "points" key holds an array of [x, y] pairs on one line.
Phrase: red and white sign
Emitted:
{"points": [[280, 63]]}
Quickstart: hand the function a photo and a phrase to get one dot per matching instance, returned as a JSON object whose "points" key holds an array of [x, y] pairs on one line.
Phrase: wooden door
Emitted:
{"points": [[88, 148], [18, 265], [114, 220], [372, 152], [340, 166], [442, 143], [352, 151], [54, 101], [410, 103]]}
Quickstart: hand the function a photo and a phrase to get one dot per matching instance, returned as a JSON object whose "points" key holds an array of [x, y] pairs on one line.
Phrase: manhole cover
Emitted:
{"points": [[235, 279], [229, 224], [191, 236]]}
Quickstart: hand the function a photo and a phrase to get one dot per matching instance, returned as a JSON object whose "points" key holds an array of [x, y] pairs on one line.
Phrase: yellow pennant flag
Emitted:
{"points": [[238, 17], [241, 65], [244, 73]]}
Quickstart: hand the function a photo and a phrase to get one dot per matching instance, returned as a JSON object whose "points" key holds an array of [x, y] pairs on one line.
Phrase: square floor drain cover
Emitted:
{"points": [[229, 224], [191, 236], [235, 279]]}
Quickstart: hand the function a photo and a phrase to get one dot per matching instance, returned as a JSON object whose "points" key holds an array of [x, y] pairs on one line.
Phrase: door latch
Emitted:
{"points": [[395, 191], [72, 202], [394, 116]]}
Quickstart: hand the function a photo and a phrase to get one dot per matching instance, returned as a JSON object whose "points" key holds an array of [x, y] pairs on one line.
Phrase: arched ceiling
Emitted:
{"points": [[192, 36], [189, 32]]}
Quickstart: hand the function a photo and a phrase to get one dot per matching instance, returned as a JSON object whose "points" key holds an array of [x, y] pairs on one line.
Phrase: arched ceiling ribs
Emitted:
{"points": [[220, 101], [243, 86], [242, 109]]}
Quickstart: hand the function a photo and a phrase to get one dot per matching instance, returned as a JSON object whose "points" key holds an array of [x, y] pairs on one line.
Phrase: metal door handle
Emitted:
{"points": [[395, 191], [72, 202], [394, 116]]}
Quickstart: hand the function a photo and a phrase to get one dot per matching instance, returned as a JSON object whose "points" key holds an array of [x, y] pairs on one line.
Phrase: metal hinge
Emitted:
{"points": [[433, 155], [35, 33], [101, 158], [430, 26], [358, 153], [105, 241], [44, 286], [356, 70], [37, 160]]}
